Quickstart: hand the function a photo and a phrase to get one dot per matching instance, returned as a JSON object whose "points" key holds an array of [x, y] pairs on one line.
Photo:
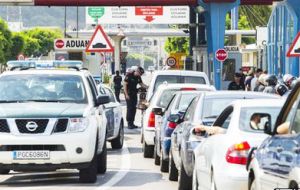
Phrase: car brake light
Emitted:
{"points": [[151, 121], [187, 89], [238, 153], [172, 125]]}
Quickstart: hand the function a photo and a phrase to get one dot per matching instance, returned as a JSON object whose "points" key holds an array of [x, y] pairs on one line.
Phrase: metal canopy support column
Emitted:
{"points": [[295, 4], [117, 51], [215, 18]]}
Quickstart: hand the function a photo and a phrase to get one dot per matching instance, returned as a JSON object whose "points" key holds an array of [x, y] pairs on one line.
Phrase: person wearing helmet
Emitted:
{"points": [[293, 84], [254, 81], [131, 81], [271, 82], [281, 89], [260, 87], [288, 79]]}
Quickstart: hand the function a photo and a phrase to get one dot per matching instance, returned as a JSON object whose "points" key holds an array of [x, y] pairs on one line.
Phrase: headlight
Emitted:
{"points": [[78, 124]]}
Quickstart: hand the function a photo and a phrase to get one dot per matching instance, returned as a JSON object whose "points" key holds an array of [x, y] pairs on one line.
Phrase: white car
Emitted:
{"points": [[175, 76], [221, 158], [52, 119], [161, 99], [114, 117]]}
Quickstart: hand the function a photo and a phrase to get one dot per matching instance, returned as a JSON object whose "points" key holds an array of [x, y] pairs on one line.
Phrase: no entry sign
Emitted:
{"points": [[221, 55]]}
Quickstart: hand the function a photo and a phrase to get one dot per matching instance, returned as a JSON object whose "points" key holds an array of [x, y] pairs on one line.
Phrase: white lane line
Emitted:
{"points": [[125, 167]]}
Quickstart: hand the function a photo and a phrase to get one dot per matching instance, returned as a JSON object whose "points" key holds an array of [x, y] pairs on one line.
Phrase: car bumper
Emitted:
{"points": [[232, 179], [66, 154], [149, 135]]}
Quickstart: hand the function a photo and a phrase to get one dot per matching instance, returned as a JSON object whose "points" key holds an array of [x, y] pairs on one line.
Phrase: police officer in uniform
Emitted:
{"points": [[131, 81], [118, 85], [237, 83]]}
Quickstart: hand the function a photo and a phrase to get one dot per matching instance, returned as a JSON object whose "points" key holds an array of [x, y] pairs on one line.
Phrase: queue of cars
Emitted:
{"points": [[78, 111], [238, 131]]}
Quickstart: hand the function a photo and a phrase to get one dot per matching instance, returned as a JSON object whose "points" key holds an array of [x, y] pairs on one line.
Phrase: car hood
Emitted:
{"points": [[41, 110]]}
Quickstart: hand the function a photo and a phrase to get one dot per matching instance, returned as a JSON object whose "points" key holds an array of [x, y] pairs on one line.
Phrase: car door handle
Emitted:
{"points": [[279, 149]]}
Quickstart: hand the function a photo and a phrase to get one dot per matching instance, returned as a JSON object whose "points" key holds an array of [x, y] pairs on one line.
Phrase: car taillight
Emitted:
{"points": [[238, 153], [187, 89], [172, 125], [151, 121]]}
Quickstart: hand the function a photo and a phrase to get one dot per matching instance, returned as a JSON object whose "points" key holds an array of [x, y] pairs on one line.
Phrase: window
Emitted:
{"points": [[191, 110], [228, 70], [41, 87], [166, 97], [296, 122], [171, 79], [110, 94], [185, 101]]}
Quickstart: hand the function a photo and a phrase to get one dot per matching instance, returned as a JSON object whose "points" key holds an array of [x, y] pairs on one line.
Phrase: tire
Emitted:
{"points": [[185, 182], [102, 160], [118, 142], [164, 164], [173, 172], [4, 172], [148, 150], [156, 157], [89, 175]]}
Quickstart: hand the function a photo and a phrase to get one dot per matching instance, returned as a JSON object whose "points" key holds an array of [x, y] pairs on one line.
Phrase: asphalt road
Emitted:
{"points": [[127, 169]]}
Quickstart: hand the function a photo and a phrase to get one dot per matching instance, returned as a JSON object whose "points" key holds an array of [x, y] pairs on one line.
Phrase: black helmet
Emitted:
{"points": [[281, 89], [141, 70], [271, 80]]}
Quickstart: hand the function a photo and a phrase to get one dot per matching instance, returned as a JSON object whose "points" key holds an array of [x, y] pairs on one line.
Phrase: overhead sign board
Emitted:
{"points": [[139, 43], [138, 15], [70, 44], [99, 42], [294, 50]]}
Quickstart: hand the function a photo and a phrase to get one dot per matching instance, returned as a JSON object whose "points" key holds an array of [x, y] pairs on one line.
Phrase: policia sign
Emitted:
{"points": [[71, 44]]}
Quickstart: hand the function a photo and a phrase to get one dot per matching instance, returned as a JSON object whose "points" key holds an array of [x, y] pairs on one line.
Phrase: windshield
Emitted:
{"points": [[171, 79], [166, 97], [60, 88], [185, 101], [247, 118], [213, 107]]}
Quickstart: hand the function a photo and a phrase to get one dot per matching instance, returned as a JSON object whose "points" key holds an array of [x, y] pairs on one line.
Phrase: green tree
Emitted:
{"points": [[6, 42], [177, 45], [44, 38], [257, 15], [18, 45], [31, 46]]}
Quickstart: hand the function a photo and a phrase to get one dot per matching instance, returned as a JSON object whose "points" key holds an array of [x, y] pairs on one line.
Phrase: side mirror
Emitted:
{"points": [[174, 118], [102, 99], [158, 111]]}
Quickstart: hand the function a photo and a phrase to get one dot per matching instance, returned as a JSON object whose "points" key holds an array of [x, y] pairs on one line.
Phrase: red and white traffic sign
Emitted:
{"points": [[99, 42], [221, 55], [294, 50], [149, 12], [171, 61]]}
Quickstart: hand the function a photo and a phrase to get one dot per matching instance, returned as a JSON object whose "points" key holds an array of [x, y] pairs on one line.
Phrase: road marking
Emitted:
{"points": [[125, 167], [122, 172]]}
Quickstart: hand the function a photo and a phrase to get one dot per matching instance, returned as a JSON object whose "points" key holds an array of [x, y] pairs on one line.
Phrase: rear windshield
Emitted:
{"points": [[185, 101], [171, 79], [213, 107], [166, 97], [246, 116]]}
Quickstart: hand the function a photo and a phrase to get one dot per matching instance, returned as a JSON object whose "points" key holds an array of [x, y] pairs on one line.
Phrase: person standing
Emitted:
{"points": [[254, 81], [236, 84], [131, 81], [118, 85]]}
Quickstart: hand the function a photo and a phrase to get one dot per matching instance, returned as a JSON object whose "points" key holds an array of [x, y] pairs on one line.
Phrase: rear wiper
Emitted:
{"points": [[212, 116], [8, 101]]}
